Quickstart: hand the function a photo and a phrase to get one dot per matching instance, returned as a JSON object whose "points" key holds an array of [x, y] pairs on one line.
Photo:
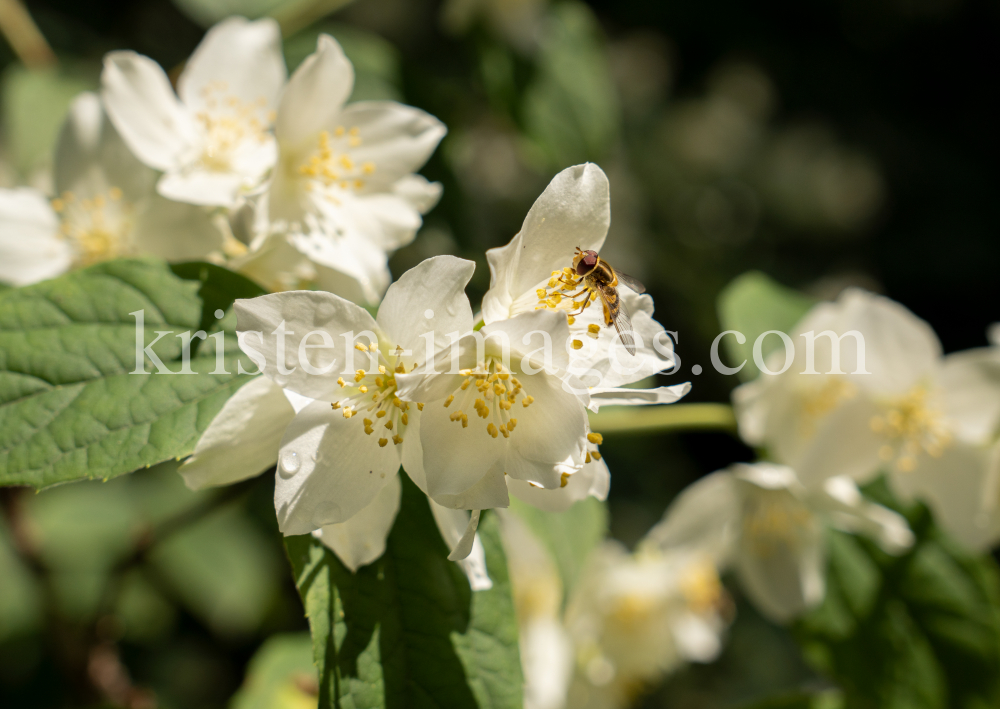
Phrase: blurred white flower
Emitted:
{"points": [[211, 139], [633, 618], [925, 419], [574, 211], [107, 207], [546, 648], [344, 190], [761, 520]]}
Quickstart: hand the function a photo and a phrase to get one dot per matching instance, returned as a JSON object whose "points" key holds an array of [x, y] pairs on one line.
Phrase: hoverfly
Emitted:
{"points": [[599, 277]]}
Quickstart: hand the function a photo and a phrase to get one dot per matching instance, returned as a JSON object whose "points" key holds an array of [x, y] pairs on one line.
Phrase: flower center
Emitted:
{"points": [[373, 394], [331, 167], [820, 402], [701, 588], [773, 521], [557, 295], [911, 427], [491, 390], [633, 611], [228, 122], [98, 227]]}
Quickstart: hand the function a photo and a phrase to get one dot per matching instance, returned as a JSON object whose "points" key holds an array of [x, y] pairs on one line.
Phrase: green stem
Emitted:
{"points": [[676, 417]]}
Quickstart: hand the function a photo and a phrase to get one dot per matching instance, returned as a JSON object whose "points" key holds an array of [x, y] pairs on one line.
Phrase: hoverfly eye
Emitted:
{"points": [[587, 263]]}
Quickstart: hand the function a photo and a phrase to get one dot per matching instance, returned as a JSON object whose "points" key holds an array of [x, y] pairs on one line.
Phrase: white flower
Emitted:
{"points": [[504, 412], [635, 618], [211, 139], [761, 520], [925, 419], [574, 212], [344, 189], [107, 207], [344, 446]]}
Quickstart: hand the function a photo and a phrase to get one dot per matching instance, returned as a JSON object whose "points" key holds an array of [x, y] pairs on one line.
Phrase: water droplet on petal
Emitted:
{"points": [[289, 464]]}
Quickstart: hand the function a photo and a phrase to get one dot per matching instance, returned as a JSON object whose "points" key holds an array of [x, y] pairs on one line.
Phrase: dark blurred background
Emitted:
{"points": [[827, 144]]}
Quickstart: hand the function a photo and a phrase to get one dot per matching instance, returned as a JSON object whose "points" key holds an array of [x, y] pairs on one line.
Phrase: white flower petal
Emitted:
{"points": [[697, 638], [573, 211], [463, 547], [91, 158], [784, 577], [970, 386], [703, 516], [819, 447], [550, 437], [364, 287], [488, 493], [592, 480], [303, 312], [361, 539], [297, 401], [900, 348], [202, 186], [30, 247], [523, 335], [175, 231], [850, 512], [954, 487], [243, 56], [637, 397], [314, 96], [547, 661], [145, 110], [437, 285], [242, 440], [603, 360], [352, 256], [328, 470], [418, 191], [458, 529], [387, 220], [396, 139]]}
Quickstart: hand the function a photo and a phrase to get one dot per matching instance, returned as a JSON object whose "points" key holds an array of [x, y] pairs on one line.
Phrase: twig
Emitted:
{"points": [[675, 417], [24, 37]]}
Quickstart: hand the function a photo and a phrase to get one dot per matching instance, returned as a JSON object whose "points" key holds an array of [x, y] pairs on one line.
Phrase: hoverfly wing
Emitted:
{"points": [[620, 317], [630, 282]]}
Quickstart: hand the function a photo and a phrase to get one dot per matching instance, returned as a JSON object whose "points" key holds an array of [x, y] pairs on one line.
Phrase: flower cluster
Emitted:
{"points": [[474, 410], [273, 176], [628, 620]]}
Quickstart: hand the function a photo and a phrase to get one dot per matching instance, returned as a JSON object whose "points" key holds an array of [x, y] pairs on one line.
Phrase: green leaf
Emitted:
{"points": [[70, 406], [570, 536], [223, 570], [219, 288], [921, 630], [220, 566], [754, 304], [407, 630], [571, 110], [280, 676]]}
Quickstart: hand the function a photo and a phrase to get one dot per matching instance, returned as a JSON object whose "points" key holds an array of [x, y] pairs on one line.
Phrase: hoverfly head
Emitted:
{"points": [[585, 261]]}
